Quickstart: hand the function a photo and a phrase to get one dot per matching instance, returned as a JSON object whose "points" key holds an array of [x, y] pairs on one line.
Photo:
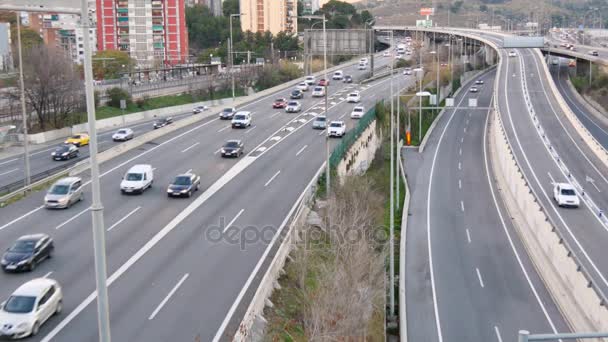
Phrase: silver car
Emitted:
{"points": [[320, 122], [64, 192]]}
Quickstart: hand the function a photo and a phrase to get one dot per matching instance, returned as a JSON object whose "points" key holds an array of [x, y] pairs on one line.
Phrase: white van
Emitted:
{"points": [[137, 179]]}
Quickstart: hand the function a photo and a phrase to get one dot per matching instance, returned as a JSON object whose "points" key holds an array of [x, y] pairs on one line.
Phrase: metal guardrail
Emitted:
{"points": [[19, 185]]}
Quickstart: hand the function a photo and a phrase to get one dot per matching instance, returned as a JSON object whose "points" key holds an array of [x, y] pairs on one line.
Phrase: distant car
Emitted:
{"points": [[337, 129], [474, 90], [565, 196], [555, 61], [479, 82], [293, 107], [353, 97], [338, 75], [594, 53], [512, 53], [64, 193], [363, 60], [357, 112], [199, 109], [227, 113], [162, 122], [184, 185], [232, 148], [386, 54], [241, 119], [318, 91], [296, 94], [123, 134], [80, 139], [407, 71], [572, 48], [27, 252], [362, 66], [323, 82], [408, 53], [303, 86], [310, 80], [29, 307], [279, 103], [137, 179], [65, 152], [320, 122]]}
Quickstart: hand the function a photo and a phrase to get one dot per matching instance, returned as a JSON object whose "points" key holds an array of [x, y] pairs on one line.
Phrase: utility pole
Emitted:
{"points": [[392, 195], [26, 149]]}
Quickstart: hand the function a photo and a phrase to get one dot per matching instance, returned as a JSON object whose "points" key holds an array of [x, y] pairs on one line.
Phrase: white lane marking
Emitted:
{"points": [[459, 166], [460, 184], [595, 186], [218, 151], [468, 236], [233, 220], [72, 218], [9, 161], [250, 129], [461, 140], [223, 129], [124, 218], [275, 138], [42, 151], [22, 217], [275, 114], [460, 151], [191, 147], [497, 334], [465, 129], [341, 116], [272, 178], [289, 129], [551, 177], [7, 172], [47, 275], [322, 132], [153, 169], [301, 150], [262, 149], [171, 293], [462, 206], [479, 277]]}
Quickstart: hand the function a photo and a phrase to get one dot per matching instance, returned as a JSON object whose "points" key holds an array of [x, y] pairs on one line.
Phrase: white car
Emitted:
{"points": [[407, 71], [303, 86], [338, 75], [199, 109], [357, 112], [241, 119], [137, 179], [336, 129], [318, 91], [293, 107], [123, 134], [353, 97], [565, 196], [310, 80], [512, 53], [363, 61], [386, 54], [29, 307], [362, 66], [474, 90]]}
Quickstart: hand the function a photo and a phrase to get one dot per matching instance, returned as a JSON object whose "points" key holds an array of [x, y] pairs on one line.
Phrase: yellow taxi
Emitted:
{"points": [[79, 139]]}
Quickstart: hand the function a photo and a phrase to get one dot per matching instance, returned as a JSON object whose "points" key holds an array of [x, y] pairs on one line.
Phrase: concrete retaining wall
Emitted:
{"points": [[360, 155], [402, 254]]}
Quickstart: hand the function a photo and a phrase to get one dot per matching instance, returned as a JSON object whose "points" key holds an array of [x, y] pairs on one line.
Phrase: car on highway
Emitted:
{"points": [[227, 113], [29, 307], [407, 71], [79, 139], [162, 122], [512, 53], [347, 79], [362, 66], [408, 53], [27, 252], [357, 112], [65, 152], [303, 86], [281, 102], [474, 90], [363, 60], [479, 82], [323, 82], [318, 91], [310, 80], [296, 94], [320, 122], [336, 129], [555, 61], [594, 53], [386, 54], [232, 148], [139, 178], [353, 97], [241, 119], [64, 193], [184, 185], [338, 75], [123, 134], [199, 109], [565, 196], [293, 107]]}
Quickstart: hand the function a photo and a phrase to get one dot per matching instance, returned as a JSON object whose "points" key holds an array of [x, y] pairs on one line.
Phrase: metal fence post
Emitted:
{"points": [[523, 336]]}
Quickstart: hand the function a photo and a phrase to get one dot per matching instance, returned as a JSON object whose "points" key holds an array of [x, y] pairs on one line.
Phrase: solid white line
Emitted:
{"points": [[42, 151], [233, 220], [124, 218], [468, 236], [497, 334], [21, 217], [7, 172], [479, 276], [272, 178], [462, 206], [171, 293], [301, 150], [218, 151], [47, 275], [459, 184], [9, 161], [250, 129], [223, 129], [72, 218], [191, 147], [552, 179]]}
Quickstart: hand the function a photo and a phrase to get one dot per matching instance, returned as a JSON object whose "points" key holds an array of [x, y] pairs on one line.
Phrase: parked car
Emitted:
{"points": [[310, 80], [65, 152], [232, 148], [64, 193], [296, 94], [337, 129], [137, 179], [227, 113], [279, 103], [241, 119], [162, 122], [199, 109], [303, 86], [318, 91], [357, 112], [565, 196], [338, 75], [348, 79], [79, 139], [353, 97], [184, 185], [293, 107], [27, 252], [29, 307], [123, 134], [320, 122]]}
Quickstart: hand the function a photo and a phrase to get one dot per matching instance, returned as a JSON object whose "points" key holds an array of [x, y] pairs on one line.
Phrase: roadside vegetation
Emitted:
{"points": [[597, 90]]}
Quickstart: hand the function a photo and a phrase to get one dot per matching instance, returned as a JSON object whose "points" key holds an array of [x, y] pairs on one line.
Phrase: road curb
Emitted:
{"points": [[402, 255]]}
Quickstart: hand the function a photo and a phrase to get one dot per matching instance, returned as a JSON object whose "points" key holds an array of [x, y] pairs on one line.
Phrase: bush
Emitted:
{"points": [[141, 102], [402, 63], [116, 94]]}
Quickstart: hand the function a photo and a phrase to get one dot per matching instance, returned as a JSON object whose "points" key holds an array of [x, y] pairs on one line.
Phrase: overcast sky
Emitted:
{"points": [[45, 3]]}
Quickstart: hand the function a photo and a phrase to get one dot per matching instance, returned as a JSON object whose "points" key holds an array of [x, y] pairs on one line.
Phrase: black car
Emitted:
{"points": [[65, 152], [232, 148], [27, 252], [184, 185], [227, 113], [348, 79], [296, 94], [162, 122]]}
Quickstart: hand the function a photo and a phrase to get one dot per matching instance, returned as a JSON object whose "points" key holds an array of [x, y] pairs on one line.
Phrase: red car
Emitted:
{"points": [[323, 83], [279, 103]]}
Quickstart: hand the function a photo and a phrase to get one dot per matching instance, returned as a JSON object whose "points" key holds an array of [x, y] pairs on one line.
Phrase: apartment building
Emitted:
{"points": [[269, 15], [310, 6], [152, 31], [6, 62]]}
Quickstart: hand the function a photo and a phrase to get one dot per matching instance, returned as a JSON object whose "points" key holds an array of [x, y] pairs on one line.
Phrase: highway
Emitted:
{"points": [[169, 275], [469, 277]]}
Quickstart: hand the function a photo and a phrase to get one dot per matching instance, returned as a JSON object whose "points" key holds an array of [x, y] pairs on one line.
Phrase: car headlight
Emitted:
{"points": [[63, 200], [53, 153], [223, 151], [169, 190], [184, 191]]}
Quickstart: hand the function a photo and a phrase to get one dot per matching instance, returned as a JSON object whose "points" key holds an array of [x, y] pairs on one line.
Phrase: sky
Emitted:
{"points": [[46, 3]]}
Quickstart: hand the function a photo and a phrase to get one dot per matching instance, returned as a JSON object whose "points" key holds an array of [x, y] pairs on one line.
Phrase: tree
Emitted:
{"points": [[110, 64], [230, 7], [286, 42], [334, 7], [116, 94], [456, 6]]}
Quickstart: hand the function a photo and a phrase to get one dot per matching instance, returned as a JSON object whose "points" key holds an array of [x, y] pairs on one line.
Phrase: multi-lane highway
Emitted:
{"points": [[173, 271]]}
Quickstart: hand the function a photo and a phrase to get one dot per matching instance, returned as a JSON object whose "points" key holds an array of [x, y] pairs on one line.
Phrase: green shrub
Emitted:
{"points": [[116, 94]]}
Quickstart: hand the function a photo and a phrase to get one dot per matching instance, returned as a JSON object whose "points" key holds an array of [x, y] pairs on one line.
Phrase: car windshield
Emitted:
{"points": [[358, 109], [336, 124], [353, 95], [59, 189], [121, 131], [293, 103], [568, 192], [134, 176], [320, 118], [279, 100], [227, 110], [295, 92], [75, 137], [62, 149], [318, 89], [23, 246], [182, 180], [20, 304], [239, 117], [232, 144]]}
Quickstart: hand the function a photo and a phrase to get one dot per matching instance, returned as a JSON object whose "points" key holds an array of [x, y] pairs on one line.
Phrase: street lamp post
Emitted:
{"points": [[230, 46], [371, 45], [26, 150]]}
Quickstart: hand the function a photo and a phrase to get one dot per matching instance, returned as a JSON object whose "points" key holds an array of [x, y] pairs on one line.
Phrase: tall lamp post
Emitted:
{"points": [[230, 45], [26, 150], [371, 45]]}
